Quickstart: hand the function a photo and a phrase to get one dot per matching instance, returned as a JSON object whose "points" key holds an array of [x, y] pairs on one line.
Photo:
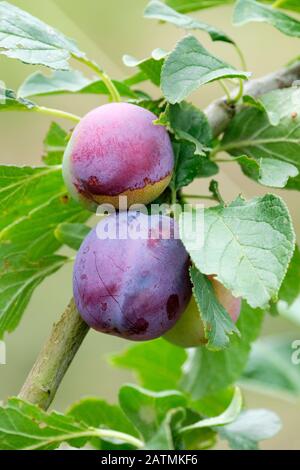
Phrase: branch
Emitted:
{"points": [[219, 113], [54, 359]]}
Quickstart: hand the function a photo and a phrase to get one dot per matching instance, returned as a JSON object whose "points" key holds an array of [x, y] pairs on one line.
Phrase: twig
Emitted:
{"points": [[54, 359], [220, 114]]}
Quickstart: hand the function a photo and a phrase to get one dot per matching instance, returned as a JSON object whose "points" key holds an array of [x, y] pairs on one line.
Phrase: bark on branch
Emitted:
{"points": [[54, 359]]}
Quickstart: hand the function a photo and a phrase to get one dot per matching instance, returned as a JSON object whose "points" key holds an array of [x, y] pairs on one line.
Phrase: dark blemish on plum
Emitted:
{"points": [[64, 199], [115, 330], [104, 306], [138, 327], [86, 250], [172, 306], [83, 277]]}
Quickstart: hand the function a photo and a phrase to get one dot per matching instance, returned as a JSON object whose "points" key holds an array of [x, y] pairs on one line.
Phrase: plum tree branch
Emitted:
{"points": [[219, 113], [67, 335], [54, 359]]}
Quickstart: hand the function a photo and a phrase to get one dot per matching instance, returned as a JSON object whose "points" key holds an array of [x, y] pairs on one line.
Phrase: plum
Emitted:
{"points": [[116, 150], [131, 276], [189, 330]]}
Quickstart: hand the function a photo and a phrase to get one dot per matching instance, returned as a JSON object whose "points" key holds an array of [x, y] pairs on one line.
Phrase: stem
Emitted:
{"points": [[56, 112], [241, 56], [101, 433], [54, 359], [240, 92], [226, 90], [114, 94], [200, 196]]}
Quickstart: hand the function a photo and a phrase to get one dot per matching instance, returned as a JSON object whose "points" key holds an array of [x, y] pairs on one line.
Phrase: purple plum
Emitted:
{"points": [[131, 276], [116, 150]]}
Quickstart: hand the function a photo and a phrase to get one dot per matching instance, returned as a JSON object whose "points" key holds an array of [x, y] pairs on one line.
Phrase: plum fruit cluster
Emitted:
{"points": [[135, 287]]}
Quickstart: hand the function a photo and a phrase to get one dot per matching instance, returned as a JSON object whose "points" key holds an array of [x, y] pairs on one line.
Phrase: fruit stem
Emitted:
{"points": [[241, 56], [114, 94], [56, 112], [55, 358]]}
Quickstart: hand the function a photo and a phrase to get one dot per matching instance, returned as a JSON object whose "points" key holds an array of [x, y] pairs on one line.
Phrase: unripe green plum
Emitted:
{"points": [[116, 150], [188, 332]]}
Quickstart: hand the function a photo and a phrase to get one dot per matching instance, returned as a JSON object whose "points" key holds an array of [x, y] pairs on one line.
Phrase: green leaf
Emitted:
{"points": [[160, 11], [151, 66], [250, 10], [251, 427], [190, 124], [71, 235], [165, 437], [33, 202], [189, 165], [268, 171], [55, 144], [185, 6], [218, 324], [189, 66], [247, 245], [24, 426], [28, 39], [290, 288], [67, 82], [147, 410], [270, 366], [207, 372], [97, 413], [228, 416], [270, 134], [157, 363], [10, 102]]}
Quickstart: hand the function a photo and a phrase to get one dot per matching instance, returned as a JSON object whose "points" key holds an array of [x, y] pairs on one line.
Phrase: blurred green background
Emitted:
{"points": [[107, 30]]}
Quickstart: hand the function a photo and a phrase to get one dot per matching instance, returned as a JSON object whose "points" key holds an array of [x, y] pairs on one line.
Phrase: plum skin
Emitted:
{"points": [[132, 288], [116, 150], [189, 330]]}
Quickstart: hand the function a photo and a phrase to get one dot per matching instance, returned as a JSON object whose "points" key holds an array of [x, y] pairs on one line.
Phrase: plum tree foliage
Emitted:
{"points": [[211, 296]]}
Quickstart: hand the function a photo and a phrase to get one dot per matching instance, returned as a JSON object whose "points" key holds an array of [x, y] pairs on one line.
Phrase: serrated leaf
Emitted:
{"points": [[97, 413], [207, 372], [190, 124], [251, 427], [290, 288], [28, 39], [151, 66], [157, 363], [189, 166], [24, 426], [160, 11], [67, 82], [71, 235], [270, 366], [218, 324], [189, 66], [55, 144], [10, 102], [268, 171], [226, 417], [247, 11], [247, 245], [271, 134], [33, 201], [147, 410]]}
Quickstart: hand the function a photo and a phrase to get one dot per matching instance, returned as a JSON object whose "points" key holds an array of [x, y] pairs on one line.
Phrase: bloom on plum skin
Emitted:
{"points": [[116, 150], [133, 288]]}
